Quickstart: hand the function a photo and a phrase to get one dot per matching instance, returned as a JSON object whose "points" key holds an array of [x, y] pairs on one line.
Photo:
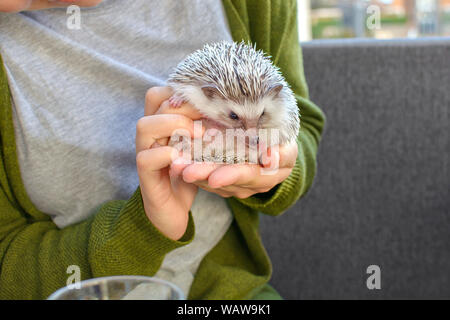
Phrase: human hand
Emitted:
{"points": [[21, 5], [241, 180], [233, 180], [167, 200]]}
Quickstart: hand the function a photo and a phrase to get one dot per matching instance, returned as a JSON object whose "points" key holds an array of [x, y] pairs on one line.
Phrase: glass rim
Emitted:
{"points": [[94, 281]]}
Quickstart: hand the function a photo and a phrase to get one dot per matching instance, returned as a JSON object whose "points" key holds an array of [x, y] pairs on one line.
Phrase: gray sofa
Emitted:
{"points": [[382, 192]]}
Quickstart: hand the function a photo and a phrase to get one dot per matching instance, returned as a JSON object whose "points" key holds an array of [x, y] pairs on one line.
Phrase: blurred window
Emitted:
{"points": [[382, 19]]}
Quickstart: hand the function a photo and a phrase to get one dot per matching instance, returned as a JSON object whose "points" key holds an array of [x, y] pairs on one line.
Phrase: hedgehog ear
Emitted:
{"points": [[274, 90], [211, 91]]}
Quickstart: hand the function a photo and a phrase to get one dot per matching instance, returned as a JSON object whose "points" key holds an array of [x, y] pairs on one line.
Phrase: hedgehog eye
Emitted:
{"points": [[233, 116]]}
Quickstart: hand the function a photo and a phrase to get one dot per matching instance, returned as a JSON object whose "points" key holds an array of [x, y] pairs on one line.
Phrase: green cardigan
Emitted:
{"points": [[119, 239]]}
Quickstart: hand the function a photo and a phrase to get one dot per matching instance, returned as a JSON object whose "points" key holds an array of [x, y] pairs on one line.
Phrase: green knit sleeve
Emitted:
{"points": [[118, 240], [35, 254], [272, 26]]}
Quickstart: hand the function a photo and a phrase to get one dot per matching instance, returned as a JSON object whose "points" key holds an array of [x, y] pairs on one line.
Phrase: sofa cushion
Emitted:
{"points": [[381, 195]]}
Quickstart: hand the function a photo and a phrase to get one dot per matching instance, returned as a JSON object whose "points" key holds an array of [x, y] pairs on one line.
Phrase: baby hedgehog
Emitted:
{"points": [[236, 86]]}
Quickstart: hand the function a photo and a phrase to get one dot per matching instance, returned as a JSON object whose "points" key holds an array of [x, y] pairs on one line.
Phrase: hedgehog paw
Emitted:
{"points": [[176, 102]]}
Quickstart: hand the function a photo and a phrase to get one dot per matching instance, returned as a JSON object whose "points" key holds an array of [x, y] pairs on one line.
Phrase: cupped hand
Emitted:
{"points": [[241, 180], [234, 180], [167, 200]]}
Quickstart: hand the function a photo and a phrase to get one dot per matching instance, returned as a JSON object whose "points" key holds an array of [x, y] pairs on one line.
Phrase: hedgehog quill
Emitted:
{"points": [[235, 86]]}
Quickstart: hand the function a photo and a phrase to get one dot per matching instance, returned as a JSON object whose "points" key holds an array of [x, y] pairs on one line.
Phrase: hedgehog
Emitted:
{"points": [[235, 86]]}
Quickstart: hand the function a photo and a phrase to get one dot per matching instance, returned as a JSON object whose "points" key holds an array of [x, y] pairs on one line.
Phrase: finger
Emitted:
{"points": [[151, 128], [177, 167], [220, 192], [154, 97], [241, 192], [185, 109], [277, 156], [265, 182], [247, 176], [288, 155], [150, 161], [14, 5], [233, 174], [229, 191], [199, 171], [271, 160]]}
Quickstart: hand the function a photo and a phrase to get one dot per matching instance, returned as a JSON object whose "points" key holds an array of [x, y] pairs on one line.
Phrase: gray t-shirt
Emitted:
{"points": [[77, 95]]}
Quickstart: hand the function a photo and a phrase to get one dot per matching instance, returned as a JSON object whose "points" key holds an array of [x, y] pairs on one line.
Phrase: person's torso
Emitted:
{"points": [[77, 95]]}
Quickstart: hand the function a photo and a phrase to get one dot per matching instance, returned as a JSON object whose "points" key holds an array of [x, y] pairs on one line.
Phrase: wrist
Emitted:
{"points": [[172, 223]]}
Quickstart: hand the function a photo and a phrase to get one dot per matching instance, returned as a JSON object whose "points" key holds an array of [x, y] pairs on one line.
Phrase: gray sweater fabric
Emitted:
{"points": [[78, 93]]}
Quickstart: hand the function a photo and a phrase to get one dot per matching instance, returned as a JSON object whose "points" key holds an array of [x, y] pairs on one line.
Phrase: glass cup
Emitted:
{"points": [[120, 288]]}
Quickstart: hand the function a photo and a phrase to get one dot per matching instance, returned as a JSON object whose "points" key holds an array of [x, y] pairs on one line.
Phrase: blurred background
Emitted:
{"points": [[381, 19]]}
